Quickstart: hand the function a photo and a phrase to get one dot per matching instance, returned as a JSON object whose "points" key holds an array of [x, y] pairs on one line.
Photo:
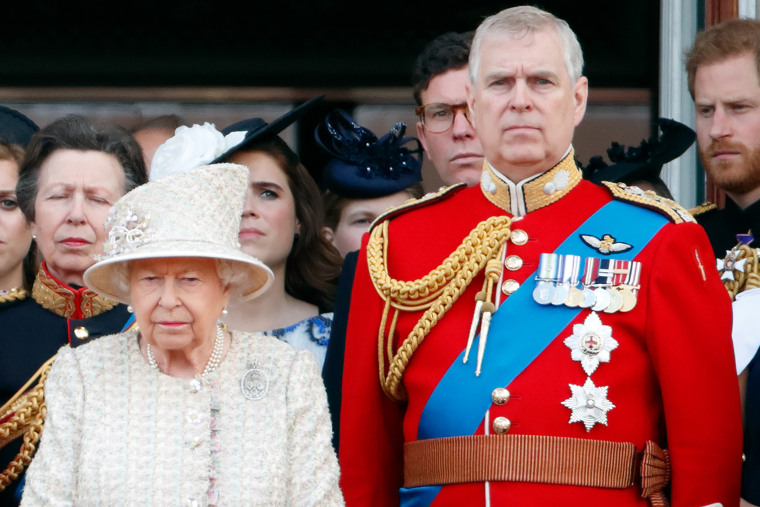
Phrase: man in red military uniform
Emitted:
{"points": [[537, 339]]}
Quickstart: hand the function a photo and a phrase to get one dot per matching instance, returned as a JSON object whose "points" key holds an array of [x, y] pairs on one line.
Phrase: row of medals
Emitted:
{"points": [[557, 283]]}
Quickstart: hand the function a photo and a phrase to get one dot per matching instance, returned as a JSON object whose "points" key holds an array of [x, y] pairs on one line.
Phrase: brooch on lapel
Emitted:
{"points": [[255, 383]]}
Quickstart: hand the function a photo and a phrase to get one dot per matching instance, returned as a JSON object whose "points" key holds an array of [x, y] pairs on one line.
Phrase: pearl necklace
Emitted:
{"points": [[213, 362]]}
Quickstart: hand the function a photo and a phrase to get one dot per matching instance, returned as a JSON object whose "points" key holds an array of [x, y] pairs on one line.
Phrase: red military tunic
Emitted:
{"points": [[670, 379]]}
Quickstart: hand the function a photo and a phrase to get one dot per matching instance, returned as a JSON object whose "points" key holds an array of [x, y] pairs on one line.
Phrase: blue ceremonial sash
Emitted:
{"points": [[515, 338]]}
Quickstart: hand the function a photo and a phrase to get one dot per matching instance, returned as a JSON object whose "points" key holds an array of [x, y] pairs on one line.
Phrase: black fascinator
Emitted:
{"points": [[643, 162], [16, 128], [364, 166]]}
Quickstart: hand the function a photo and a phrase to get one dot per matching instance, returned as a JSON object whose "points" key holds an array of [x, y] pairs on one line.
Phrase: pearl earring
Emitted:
{"points": [[129, 308], [224, 311]]}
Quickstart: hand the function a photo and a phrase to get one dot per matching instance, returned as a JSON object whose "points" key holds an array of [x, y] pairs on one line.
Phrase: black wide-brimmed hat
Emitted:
{"points": [[363, 166], [256, 129], [643, 162], [16, 128]]}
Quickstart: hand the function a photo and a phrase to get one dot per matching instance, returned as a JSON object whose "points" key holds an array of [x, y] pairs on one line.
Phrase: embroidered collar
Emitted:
{"points": [[532, 193], [67, 301]]}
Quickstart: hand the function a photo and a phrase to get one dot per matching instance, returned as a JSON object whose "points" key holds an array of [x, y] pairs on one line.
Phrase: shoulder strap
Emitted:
{"points": [[648, 199]]}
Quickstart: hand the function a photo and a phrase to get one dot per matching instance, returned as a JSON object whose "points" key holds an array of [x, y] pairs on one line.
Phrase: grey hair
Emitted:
{"points": [[228, 272], [523, 21]]}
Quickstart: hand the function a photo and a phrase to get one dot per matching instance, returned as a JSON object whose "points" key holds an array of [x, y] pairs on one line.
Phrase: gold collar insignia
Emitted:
{"points": [[533, 193], [67, 301]]}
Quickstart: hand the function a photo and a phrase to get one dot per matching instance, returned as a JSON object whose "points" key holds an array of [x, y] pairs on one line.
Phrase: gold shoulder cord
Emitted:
{"points": [[26, 415], [434, 292]]}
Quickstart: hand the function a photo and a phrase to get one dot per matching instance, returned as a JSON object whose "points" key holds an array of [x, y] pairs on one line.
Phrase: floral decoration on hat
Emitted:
{"points": [[191, 147]]}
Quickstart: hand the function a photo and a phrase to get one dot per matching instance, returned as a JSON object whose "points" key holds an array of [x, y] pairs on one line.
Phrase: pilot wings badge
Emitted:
{"points": [[606, 244]]}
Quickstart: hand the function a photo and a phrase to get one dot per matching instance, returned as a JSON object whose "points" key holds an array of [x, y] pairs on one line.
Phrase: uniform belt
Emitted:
{"points": [[536, 458]]}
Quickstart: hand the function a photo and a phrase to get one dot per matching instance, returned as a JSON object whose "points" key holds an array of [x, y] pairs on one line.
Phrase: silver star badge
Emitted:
{"points": [[591, 343], [589, 404]]}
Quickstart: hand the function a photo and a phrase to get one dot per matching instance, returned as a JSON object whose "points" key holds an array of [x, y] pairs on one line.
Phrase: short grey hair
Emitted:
{"points": [[523, 21], [229, 273]]}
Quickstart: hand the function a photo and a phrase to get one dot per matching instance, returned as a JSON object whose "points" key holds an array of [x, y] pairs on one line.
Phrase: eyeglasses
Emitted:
{"points": [[439, 118]]}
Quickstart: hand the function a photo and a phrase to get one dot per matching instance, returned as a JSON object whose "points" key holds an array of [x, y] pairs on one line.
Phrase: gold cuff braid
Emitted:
{"points": [[434, 292]]}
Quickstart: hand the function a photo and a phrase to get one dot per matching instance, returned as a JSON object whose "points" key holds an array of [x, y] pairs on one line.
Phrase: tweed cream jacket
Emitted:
{"points": [[118, 432]]}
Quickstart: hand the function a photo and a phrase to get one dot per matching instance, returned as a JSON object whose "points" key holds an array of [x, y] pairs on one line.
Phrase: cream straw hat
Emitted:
{"points": [[193, 213]]}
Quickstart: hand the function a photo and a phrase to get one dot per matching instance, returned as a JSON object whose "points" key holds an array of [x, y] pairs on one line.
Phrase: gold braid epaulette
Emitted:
{"points": [[23, 414], [702, 208], [648, 199], [15, 294], [434, 292]]}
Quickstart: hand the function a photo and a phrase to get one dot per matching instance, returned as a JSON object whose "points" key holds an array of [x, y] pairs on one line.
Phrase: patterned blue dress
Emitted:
{"points": [[311, 334]]}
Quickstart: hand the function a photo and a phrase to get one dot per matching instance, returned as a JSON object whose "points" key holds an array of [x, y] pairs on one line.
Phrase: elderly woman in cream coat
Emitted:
{"points": [[182, 411]]}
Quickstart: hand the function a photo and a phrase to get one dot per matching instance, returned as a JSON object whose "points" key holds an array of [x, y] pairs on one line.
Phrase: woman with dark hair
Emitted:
{"points": [[72, 173], [17, 250], [281, 225]]}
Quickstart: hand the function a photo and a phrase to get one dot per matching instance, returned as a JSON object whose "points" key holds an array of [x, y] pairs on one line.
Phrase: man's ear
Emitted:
{"points": [[580, 93]]}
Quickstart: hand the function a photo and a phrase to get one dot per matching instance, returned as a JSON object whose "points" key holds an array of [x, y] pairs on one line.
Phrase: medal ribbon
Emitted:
{"points": [[592, 268]]}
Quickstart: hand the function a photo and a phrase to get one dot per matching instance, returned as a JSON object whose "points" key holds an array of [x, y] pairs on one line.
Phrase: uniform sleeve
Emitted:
{"points": [[371, 440], [314, 472], [689, 339], [49, 480]]}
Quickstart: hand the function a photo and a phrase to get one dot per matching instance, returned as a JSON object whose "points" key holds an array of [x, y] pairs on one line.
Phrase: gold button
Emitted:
{"points": [[81, 333], [510, 286], [501, 425], [519, 237], [513, 262], [500, 396]]}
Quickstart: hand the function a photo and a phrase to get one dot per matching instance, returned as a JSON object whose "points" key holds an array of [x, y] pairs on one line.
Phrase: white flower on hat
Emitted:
{"points": [[191, 147]]}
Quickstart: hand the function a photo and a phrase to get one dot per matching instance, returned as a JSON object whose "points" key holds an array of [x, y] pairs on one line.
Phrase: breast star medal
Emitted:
{"points": [[588, 404], [255, 383], [591, 343]]}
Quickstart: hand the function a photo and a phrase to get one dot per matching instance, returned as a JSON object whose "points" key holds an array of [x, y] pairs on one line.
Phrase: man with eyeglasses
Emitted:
{"points": [[440, 89], [537, 339]]}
